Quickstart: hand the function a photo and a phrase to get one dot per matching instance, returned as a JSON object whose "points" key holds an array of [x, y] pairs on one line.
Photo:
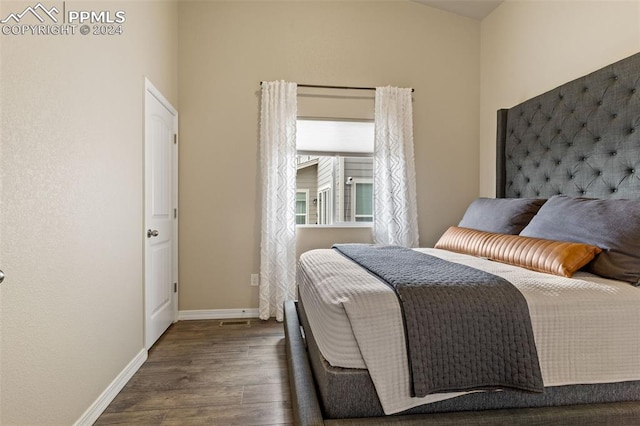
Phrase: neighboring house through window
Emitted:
{"points": [[335, 165]]}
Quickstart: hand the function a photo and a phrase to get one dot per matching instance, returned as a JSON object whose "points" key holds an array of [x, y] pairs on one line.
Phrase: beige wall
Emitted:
{"points": [[227, 48], [72, 212], [530, 47]]}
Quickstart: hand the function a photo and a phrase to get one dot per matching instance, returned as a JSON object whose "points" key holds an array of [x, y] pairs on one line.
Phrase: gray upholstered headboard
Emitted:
{"points": [[580, 139]]}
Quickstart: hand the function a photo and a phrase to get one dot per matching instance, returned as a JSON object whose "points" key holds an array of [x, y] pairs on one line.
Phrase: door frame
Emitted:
{"points": [[152, 90]]}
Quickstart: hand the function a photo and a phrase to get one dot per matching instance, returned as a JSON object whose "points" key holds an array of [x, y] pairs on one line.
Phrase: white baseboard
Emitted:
{"points": [[103, 401], [218, 314]]}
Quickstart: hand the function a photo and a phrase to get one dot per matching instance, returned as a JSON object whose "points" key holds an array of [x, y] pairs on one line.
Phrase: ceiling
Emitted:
{"points": [[475, 9]]}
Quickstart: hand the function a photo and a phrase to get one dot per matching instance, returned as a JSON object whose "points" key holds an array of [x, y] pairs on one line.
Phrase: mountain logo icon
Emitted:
{"points": [[39, 11]]}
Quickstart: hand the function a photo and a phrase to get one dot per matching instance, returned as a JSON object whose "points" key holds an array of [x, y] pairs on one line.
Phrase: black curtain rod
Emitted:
{"points": [[321, 86]]}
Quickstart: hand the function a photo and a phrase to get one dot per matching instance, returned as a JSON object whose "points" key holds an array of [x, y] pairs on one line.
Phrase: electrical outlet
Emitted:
{"points": [[255, 280]]}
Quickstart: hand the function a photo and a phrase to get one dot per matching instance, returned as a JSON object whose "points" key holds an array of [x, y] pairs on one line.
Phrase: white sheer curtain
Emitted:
{"points": [[395, 211], [278, 114]]}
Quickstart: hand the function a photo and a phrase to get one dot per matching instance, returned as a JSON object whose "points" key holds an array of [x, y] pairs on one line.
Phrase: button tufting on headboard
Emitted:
{"points": [[578, 139]]}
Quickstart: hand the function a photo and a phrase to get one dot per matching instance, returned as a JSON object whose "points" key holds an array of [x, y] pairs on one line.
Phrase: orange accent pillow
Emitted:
{"points": [[553, 257]]}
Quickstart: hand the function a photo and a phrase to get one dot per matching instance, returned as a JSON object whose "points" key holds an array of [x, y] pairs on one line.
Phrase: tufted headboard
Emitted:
{"points": [[580, 139]]}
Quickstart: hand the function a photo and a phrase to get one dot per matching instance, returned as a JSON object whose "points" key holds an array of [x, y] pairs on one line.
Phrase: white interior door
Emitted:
{"points": [[160, 233]]}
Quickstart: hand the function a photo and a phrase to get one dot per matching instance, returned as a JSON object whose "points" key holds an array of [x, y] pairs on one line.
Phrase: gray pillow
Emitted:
{"points": [[613, 225], [500, 215]]}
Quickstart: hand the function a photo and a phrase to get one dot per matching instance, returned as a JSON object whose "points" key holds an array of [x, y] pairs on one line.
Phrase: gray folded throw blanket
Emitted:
{"points": [[465, 329]]}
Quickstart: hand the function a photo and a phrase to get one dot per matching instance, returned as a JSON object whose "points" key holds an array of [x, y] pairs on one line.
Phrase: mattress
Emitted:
{"points": [[585, 327]]}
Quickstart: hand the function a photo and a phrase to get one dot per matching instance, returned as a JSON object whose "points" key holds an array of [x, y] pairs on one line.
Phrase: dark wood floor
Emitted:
{"points": [[201, 373]]}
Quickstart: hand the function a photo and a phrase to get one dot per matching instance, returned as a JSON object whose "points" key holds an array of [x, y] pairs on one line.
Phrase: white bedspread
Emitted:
{"points": [[587, 329]]}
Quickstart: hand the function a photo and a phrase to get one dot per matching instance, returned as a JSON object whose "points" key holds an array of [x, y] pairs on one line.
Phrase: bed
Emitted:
{"points": [[571, 152]]}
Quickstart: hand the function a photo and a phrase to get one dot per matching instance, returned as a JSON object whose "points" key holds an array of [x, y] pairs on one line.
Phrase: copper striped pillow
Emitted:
{"points": [[553, 257]]}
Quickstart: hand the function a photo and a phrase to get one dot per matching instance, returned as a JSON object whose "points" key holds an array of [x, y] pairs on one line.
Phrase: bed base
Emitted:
{"points": [[307, 409]]}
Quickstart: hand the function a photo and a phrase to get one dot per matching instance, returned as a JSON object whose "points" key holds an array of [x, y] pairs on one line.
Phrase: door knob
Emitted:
{"points": [[152, 233], [1, 276]]}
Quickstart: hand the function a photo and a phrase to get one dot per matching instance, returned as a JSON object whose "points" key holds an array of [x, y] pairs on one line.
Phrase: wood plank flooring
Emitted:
{"points": [[201, 373]]}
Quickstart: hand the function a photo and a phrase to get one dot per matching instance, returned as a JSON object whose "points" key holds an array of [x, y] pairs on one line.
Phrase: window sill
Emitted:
{"points": [[339, 225]]}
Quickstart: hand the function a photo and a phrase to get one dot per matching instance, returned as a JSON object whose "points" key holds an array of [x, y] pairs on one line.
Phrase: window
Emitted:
{"points": [[335, 161], [324, 206], [363, 201], [302, 201]]}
